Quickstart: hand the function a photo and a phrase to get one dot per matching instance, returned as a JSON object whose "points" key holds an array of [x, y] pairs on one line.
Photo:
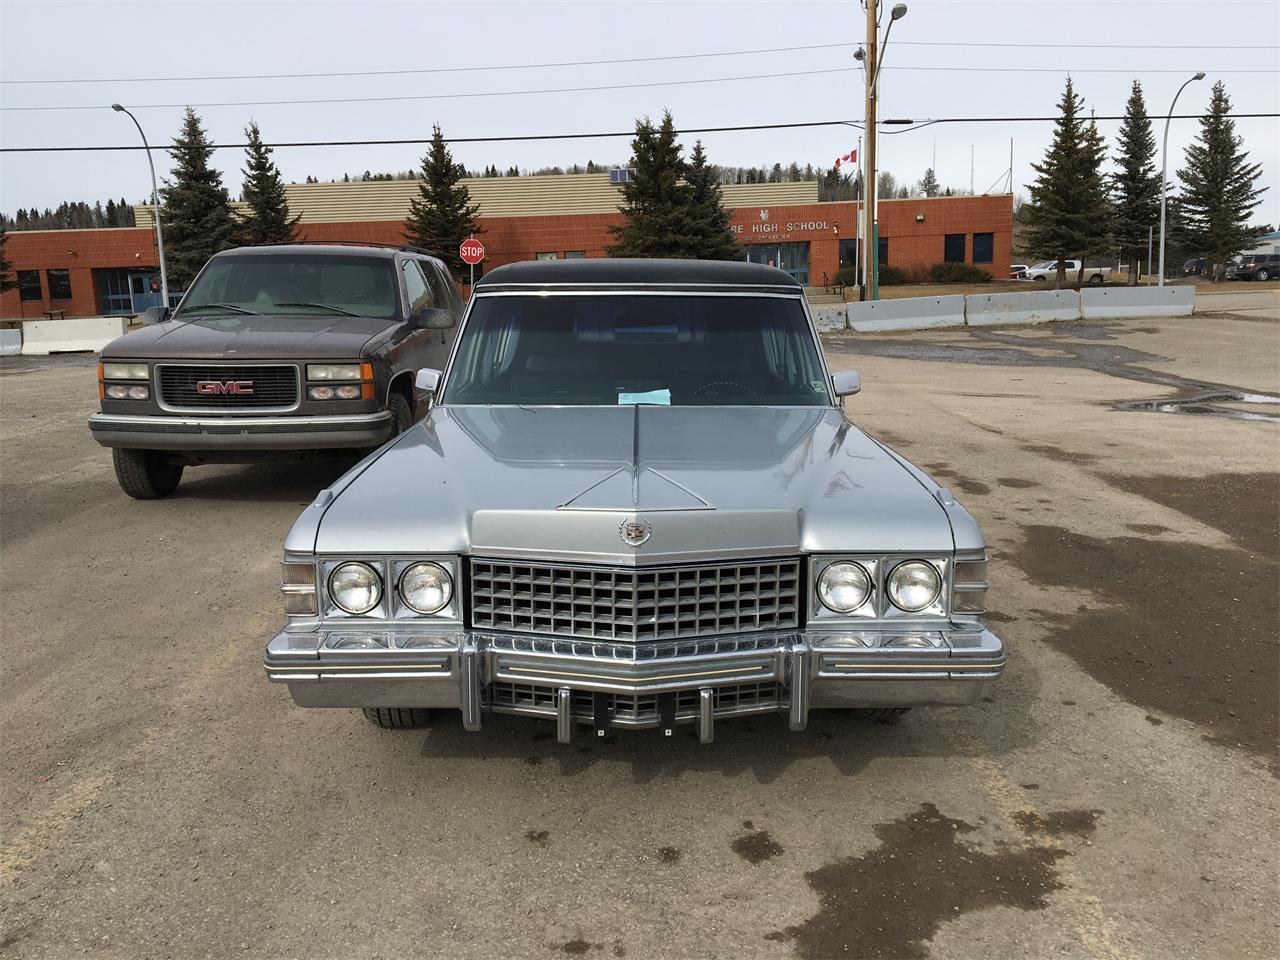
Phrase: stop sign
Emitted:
{"points": [[471, 251]]}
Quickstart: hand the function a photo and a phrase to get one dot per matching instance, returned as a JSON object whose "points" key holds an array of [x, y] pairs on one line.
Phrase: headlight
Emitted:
{"points": [[125, 371], [914, 585], [355, 587], [118, 391], [425, 587], [333, 371], [348, 391], [844, 587]]}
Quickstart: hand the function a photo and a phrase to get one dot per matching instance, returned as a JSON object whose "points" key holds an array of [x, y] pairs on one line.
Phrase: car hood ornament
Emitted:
{"points": [[636, 531]]}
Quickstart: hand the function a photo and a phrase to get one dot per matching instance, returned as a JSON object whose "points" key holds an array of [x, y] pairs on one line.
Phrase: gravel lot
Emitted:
{"points": [[1115, 796]]}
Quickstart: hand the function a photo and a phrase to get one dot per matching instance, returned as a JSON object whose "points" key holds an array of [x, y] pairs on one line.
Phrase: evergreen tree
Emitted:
{"points": [[197, 211], [267, 220], [1135, 186], [929, 185], [709, 235], [7, 281], [1219, 185], [1069, 210], [442, 215], [656, 199]]}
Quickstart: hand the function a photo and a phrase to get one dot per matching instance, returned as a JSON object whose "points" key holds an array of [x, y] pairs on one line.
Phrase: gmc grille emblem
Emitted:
{"points": [[213, 387]]}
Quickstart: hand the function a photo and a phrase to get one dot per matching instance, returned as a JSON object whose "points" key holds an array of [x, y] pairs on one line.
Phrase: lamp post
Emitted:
{"points": [[1164, 165], [155, 205], [874, 63]]}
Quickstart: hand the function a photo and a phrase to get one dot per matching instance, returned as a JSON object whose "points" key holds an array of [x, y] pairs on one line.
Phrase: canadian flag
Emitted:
{"points": [[851, 157]]}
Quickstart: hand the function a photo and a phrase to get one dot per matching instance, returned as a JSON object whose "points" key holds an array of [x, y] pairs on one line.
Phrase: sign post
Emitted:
{"points": [[472, 252]]}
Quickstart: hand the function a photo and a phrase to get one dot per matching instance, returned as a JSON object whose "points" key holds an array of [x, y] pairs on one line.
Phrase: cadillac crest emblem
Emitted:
{"points": [[635, 532]]}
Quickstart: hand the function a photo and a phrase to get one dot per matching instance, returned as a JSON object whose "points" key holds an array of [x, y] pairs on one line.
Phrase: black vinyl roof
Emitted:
{"points": [[330, 249], [624, 272]]}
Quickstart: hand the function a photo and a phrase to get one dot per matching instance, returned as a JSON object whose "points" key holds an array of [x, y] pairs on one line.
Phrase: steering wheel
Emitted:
{"points": [[711, 385]]}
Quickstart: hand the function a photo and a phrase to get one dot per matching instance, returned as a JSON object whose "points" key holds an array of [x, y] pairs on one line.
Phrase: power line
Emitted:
{"points": [[329, 101], [916, 125], [1081, 46], [425, 70]]}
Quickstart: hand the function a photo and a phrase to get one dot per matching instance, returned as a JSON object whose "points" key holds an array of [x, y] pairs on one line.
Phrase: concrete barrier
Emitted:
{"points": [[910, 313], [1033, 306], [10, 343], [1177, 301], [830, 317], [74, 335]]}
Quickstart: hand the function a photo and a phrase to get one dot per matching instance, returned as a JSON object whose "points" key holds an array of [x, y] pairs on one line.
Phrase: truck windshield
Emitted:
{"points": [[672, 350], [319, 284]]}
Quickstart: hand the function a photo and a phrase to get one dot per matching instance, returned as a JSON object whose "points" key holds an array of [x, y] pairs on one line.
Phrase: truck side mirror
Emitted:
{"points": [[846, 383], [428, 380], [154, 315]]}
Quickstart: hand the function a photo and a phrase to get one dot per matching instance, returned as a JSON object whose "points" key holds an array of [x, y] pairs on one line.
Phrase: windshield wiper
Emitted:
{"points": [[194, 308], [322, 306]]}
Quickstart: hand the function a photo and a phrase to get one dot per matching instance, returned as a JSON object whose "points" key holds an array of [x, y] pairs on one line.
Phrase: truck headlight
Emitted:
{"points": [[125, 371], [355, 588], [844, 587], [914, 585], [336, 371], [426, 587]]}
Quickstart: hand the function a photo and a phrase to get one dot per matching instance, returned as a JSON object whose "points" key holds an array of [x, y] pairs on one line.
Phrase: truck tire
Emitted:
{"points": [[882, 714], [1263, 274], [401, 414], [1095, 280], [397, 718], [144, 474], [1040, 279]]}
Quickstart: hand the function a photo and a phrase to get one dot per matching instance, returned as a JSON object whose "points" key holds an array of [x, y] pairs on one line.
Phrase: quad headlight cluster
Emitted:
{"points": [[339, 381], [845, 587], [114, 371], [424, 587]]}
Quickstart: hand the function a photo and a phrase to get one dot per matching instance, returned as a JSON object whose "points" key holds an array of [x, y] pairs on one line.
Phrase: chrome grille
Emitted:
{"points": [[637, 708], [608, 603], [273, 386]]}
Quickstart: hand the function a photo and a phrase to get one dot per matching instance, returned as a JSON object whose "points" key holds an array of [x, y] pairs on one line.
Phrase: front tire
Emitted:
{"points": [[401, 414], [882, 714], [1095, 280], [397, 718], [1264, 275], [145, 474]]}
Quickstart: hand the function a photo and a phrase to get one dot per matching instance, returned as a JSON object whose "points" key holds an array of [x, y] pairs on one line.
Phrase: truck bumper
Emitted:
{"points": [[604, 685], [240, 433]]}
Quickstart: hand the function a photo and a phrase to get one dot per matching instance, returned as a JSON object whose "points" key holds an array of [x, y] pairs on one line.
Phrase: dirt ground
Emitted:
{"points": [[1115, 795]]}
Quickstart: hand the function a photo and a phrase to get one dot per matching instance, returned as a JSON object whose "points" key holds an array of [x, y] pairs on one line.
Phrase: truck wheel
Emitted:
{"points": [[144, 474], [882, 714], [401, 414], [1264, 275], [1095, 280], [1040, 279], [397, 718]]}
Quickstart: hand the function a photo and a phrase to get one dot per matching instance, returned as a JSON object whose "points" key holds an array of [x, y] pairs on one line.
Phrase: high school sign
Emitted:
{"points": [[758, 225]]}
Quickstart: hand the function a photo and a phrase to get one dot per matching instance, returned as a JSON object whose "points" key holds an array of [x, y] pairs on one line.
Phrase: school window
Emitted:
{"points": [[953, 248], [983, 247], [848, 253], [575, 254], [59, 284], [882, 251], [546, 256], [29, 286]]}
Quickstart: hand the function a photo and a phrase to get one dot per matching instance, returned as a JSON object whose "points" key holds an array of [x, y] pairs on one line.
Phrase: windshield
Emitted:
{"points": [[304, 283], [629, 349]]}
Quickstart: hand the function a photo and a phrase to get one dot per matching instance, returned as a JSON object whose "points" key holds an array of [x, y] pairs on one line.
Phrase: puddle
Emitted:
{"points": [[1207, 404], [890, 902]]}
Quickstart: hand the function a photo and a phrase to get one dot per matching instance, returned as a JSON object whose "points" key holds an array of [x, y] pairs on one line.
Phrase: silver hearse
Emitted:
{"points": [[635, 502]]}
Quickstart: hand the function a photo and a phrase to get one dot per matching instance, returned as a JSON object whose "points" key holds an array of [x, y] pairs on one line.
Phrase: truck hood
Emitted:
{"points": [[265, 337], [558, 483]]}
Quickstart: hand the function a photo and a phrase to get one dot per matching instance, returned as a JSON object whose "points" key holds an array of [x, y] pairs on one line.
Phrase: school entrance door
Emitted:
{"points": [[791, 257]]}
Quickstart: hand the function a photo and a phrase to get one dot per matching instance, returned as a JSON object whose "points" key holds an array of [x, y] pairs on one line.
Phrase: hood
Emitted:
{"points": [[264, 337], [712, 482]]}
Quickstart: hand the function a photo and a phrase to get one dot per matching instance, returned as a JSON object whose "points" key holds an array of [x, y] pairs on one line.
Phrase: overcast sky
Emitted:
{"points": [[107, 42]]}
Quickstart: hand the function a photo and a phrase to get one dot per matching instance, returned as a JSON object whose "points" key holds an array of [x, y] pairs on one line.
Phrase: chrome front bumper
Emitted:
{"points": [[633, 685]]}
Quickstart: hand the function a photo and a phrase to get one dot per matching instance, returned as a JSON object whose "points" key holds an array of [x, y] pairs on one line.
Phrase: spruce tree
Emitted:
{"points": [[197, 211], [1069, 210], [1135, 186], [709, 235], [656, 201], [1219, 185], [7, 281], [929, 185], [267, 220], [442, 215]]}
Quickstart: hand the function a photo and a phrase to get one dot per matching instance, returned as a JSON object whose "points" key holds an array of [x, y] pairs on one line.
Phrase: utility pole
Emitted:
{"points": [[871, 242]]}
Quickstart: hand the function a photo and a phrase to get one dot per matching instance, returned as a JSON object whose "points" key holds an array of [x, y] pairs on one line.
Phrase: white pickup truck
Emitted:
{"points": [[1043, 272]]}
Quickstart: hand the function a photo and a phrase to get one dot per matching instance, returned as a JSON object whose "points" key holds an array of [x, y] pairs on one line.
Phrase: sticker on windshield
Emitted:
{"points": [[817, 386], [659, 397]]}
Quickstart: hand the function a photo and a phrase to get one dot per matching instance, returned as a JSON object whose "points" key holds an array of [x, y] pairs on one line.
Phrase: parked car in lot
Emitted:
{"points": [[636, 502], [1197, 266], [274, 351], [1048, 269], [1016, 271], [1257, 266]]}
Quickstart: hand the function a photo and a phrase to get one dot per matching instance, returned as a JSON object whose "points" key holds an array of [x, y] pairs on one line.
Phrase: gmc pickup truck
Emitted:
{"points": [[1048, 269]]}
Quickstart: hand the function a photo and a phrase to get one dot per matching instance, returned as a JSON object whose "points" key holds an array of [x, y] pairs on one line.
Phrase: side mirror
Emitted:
{"points": [[846, 383], [432, 318], [154, 315], [428, 380]]}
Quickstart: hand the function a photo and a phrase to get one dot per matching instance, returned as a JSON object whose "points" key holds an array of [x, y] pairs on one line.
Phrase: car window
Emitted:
{"points": [[627, 349], [415, 286]]}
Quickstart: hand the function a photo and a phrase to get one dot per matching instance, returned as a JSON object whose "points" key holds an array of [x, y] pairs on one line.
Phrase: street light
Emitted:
{"points": [[1164, 165], [155, 203], [876, 63]]}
